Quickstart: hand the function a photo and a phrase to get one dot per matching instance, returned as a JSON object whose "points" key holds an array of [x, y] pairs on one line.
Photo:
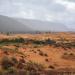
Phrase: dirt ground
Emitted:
{"points": [[50, 57]]}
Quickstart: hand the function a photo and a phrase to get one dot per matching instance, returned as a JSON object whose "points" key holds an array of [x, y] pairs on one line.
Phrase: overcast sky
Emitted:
{"points": [[62, 11]]}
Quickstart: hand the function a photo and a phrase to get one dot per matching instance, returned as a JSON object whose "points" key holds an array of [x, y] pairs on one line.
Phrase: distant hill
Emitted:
{"points": [[38, 25], [10, 25]]}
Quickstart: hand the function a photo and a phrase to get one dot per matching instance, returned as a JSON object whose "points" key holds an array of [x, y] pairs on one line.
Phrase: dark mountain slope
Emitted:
{"points": [[43, 25], [10, 25]]}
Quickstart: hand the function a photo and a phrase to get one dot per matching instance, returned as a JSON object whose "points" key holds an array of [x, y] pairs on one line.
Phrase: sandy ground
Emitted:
{"points": [[54, 55]]}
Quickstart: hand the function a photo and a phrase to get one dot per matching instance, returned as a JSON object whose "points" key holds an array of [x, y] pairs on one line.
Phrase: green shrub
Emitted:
{"points": [[38, 42], [49, 41], [16, 40]]}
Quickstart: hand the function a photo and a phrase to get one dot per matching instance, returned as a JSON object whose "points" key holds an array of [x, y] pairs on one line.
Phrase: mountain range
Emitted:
{"points": [[9, 24]]}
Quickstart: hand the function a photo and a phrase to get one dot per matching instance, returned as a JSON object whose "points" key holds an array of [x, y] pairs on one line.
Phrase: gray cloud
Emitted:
{"points": [[70, 0], [51, 10]]}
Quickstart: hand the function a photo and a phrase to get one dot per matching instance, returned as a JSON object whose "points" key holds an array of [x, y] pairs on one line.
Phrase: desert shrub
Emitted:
{"points": [[49, 41], [5, 49], [6, 63], [19, 40], [25, 72], [20, 65], [4, 40], [16, 40], [5, 52], [65, 53], [12, 70], [22, 60], [34, 51], [38, 42], [51, 67], [64, 45], [41, 53], [14, 60], [30, 66], [8, 33], [38, 50], [17, 45], [46, 60], [35, 46], [46, 55], [34, 73], [71, 54]]}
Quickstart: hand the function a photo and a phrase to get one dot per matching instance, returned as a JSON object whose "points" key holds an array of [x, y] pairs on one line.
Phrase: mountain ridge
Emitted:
{"points": [[43, 25], [8, 24]]}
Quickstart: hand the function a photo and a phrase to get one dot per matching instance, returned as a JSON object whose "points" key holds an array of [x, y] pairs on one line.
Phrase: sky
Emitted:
{"points": [[62, 11]]}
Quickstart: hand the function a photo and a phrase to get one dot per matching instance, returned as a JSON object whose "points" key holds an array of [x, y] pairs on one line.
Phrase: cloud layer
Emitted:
{"points": [[62, 11]]}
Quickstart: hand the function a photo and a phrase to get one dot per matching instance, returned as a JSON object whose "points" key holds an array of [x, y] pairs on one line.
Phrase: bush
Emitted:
{"points": [[30, 66], [38, 42], [71, 54], [19, 40], [65, 53], [16, 40], [5, 52], [46, 60], [46, 55], [49, 41], [52, 67], [41, 53], [12, 70], [15, 61], [6, 63], [20, 65], [22, 60]]}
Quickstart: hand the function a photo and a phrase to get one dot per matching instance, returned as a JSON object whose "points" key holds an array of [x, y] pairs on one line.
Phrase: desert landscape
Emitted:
{"points": [[37, 54], [37, 37]]}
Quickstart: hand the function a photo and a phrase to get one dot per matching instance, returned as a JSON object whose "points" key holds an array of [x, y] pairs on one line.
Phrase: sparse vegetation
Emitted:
{"points": [[15, 40], [51, 67], [31, 66], [50, 42], [41, 53], [46, 55], [6, 63], [13, 66], [68, 56], [46, 60], [18, 54]]}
